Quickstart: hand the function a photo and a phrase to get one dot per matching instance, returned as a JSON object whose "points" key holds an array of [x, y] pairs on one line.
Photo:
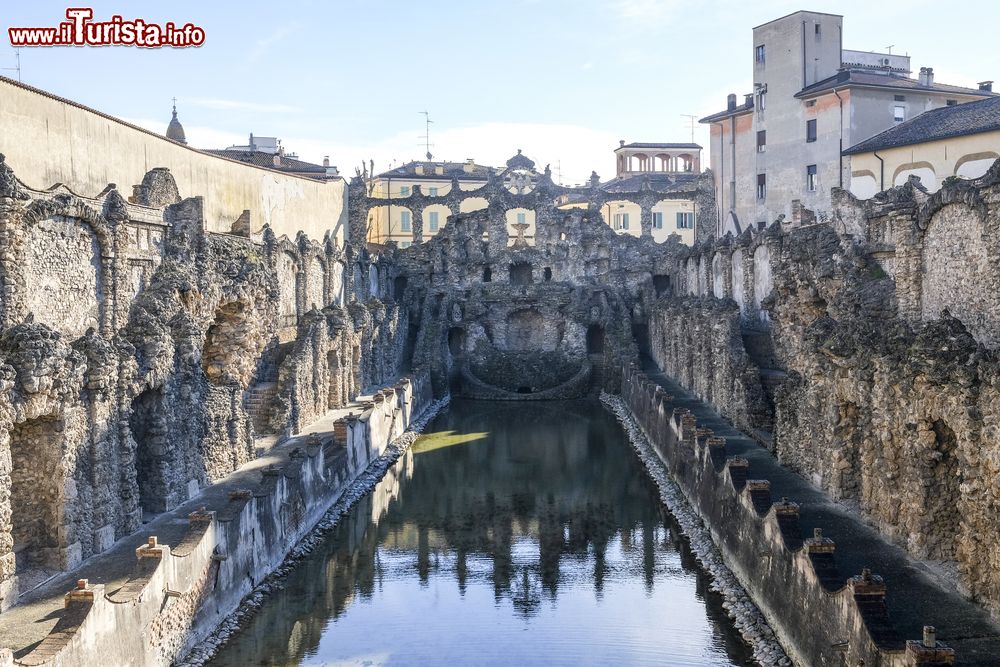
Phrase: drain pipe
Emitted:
{"points": [[881, 171], [840, 155]]}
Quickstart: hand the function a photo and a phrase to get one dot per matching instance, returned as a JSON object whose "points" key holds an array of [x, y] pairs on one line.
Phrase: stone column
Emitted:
{"points": [[646, 220]]}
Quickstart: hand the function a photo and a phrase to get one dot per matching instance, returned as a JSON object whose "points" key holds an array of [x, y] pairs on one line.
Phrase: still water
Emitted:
{"points": [[510, 534]]}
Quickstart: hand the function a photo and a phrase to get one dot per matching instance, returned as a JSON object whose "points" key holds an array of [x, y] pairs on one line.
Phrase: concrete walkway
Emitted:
{"points": [[23, 626], [916, 596]]}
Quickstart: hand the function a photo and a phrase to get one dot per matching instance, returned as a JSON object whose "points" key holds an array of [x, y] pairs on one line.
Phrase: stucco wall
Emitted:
{"points": [[48, 140], [933, 161]]}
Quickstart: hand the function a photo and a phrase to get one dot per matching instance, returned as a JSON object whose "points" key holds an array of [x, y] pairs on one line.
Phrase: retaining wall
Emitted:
{"points": [[822, 618], [178, 594]]}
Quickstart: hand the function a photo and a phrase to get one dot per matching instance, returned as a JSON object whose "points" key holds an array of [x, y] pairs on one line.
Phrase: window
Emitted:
{"points": [[404, 191], [521, 218], [657, 220], [899, 113], [433, 220], [404, 244], [620, 221], [810, 103], [404, 220], [761, 99], [433, 192], [811, 178], [761, 186], [761, 140], [811, 130], [899, 98], [817, 31], [951, 103], [624, 220], [758, 54], [685, 221]]}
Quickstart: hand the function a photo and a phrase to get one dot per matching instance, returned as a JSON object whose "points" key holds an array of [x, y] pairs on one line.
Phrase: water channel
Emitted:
{"points": [[510, 534]]}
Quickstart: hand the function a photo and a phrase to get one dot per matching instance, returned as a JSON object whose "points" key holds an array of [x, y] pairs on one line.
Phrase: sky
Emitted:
{"points": [[562, 80]]}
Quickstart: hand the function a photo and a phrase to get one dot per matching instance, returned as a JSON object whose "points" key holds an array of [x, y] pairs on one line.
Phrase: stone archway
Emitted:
{"points": [[943, 491], [37, 499], [456, 341], [521, 274], [148, 423], [595, 339], [335, 390], [230, 353]]}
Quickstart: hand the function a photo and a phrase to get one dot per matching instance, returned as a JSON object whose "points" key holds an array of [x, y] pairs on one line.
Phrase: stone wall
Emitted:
{"points": [[179, 593], [871, 343], [131, 343], [48, 139], [822, 617]]}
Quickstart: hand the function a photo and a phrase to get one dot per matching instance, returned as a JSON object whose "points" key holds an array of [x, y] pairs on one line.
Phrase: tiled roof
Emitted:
{"points": [[262, 159], [851, 77], [449, 170], [640, 144], [746, 107], [659, 182], [944, 123]]}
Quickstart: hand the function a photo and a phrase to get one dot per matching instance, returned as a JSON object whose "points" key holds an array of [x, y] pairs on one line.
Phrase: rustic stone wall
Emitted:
{"points": [[482, 314], [872, 343], [130, 341]]}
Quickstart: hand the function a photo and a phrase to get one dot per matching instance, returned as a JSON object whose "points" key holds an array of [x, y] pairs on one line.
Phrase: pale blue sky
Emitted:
{"points": [[563, 80]]}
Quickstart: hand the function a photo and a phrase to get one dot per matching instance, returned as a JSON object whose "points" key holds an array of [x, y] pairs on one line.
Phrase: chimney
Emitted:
{"points": [[277, 159], [926, 76], [621, 143], [731, 102], [986, 86], [326, 160], [748, 99]]}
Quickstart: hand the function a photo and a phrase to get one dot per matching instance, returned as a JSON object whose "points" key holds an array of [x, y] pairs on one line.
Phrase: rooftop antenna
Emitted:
{"points": [[427, 133], [890, 48], [17, 67], [559, 172], [691, 119]]}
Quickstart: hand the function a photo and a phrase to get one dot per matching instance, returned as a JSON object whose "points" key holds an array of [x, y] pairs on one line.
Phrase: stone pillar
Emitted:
{"points": [[646, 220]]}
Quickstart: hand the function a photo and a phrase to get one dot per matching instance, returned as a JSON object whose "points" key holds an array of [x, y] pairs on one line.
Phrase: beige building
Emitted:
{"points": [[780, 151], [670, 169], [958, 141], [394, 222], [673, 170]]}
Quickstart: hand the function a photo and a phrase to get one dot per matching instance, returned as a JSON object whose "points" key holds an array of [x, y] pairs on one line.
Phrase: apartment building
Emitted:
{"points": [[779, 151]]}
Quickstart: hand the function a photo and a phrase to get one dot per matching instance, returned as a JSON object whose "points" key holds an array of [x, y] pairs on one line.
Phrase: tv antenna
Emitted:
{"points": [[427, 133], [17, 67], [691, 119], [890, 48]]}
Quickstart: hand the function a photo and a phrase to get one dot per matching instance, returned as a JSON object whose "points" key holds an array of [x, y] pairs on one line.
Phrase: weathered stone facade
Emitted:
{"points": [[496, 316], [132, 343], [864, 352]]}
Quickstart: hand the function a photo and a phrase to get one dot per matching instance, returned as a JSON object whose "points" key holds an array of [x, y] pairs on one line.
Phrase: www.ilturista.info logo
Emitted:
{"points": [[80, 30]]}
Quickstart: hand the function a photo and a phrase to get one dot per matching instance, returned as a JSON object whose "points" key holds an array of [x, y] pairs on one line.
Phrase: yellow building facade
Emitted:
{"points": [[960, 141], [395, 221]]}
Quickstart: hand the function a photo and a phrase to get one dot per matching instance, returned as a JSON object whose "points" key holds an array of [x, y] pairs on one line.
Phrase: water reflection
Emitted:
{"points": [[511, 534]]}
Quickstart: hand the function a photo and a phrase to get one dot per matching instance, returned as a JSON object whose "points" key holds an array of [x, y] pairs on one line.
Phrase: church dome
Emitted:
{"points": [[175, 130]]}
